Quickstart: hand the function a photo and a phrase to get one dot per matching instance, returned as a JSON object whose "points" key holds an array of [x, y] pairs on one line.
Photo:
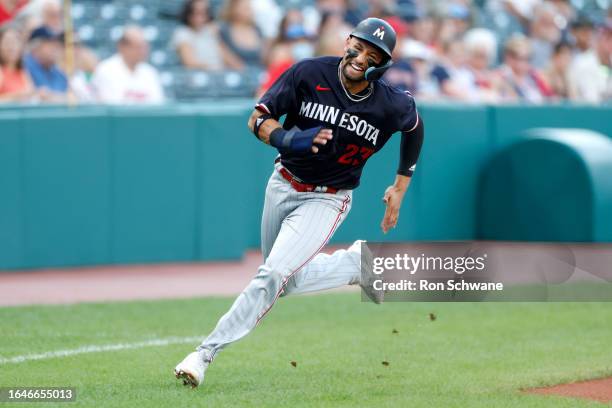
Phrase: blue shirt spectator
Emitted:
{"points": [[41, 62], [418, 73], [51, 78]]}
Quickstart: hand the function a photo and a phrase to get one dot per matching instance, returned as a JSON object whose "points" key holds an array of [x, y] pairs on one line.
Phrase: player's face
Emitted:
{"points": [[364, 56]]}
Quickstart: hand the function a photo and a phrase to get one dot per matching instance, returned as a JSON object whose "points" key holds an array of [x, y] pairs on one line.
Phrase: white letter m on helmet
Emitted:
{"points": [[380, 33]]}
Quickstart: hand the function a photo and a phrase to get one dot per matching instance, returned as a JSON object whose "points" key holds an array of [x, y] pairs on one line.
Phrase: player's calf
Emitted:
{"points": [[367, 273]]}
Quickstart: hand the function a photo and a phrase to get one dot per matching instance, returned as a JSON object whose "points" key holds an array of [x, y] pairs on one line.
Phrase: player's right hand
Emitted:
{"points": [[321, 139], [300, 141]]}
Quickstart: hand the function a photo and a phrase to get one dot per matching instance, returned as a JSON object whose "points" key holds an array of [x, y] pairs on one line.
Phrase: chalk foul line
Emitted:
{"points": [[99, 349]]}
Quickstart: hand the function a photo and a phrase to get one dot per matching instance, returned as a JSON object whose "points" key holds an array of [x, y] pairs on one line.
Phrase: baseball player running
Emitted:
{"points": [[339, 113]]}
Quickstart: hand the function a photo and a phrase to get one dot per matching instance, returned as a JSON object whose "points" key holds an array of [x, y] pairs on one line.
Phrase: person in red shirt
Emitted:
{"points": [[291, 45], [9, 9], [15, 83], [519, 80]]}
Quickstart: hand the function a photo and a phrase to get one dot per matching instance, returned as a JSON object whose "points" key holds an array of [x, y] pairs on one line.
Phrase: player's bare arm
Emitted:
{"points": [[269, 125], [410, 148]]}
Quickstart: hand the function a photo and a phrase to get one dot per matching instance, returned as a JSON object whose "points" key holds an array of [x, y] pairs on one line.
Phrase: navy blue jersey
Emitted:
{"points": [[310, 94]]}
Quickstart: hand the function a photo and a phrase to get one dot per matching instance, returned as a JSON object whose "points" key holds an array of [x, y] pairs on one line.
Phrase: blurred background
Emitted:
{"points": [[476, 51]]}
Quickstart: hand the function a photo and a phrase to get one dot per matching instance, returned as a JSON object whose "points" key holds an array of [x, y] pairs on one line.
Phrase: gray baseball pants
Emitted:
{"points": [[294, 228]]}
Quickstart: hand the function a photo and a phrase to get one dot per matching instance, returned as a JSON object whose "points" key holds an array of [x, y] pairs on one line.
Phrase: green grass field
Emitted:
{"points": [[471, 355]]}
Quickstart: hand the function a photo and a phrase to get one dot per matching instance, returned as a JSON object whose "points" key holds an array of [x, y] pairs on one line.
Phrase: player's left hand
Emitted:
{"points": [[393, 200]]}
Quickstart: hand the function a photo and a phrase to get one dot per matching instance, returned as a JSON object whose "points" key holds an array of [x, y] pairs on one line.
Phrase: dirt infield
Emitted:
{"points": [[597, 390], [133, 282], [112, 283]]}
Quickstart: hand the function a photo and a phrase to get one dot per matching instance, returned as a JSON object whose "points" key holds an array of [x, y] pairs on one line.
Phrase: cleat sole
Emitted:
{"points": [[187, 378]]}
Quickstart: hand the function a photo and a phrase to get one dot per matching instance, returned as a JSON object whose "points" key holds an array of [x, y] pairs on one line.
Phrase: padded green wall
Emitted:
{"points": [[553, 186], [12, 238], [97, 185], [66, 179], [509, 122]]}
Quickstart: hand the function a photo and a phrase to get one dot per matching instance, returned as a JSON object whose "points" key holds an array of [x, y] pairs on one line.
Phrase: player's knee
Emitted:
{"points": [[269, 278]]}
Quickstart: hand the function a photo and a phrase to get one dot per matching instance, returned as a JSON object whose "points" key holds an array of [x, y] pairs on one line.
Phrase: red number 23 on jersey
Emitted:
{"points": [[355, 155]]}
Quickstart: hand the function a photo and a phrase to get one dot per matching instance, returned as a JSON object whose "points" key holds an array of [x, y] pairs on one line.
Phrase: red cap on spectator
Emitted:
{"points": [[400, 27]]}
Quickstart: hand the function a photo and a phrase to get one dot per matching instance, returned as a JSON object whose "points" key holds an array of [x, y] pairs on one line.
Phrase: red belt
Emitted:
{"points": [[303, 187]]}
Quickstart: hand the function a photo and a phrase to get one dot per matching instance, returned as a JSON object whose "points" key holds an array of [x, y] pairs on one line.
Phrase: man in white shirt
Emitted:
{"points": [[589, 74], [125, 78]]}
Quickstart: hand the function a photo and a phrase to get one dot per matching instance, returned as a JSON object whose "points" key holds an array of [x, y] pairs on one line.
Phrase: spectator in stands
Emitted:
{"points": [[522, 10], [583, 31], [456, 21], [125, 78], [545, 33], [333, 30], [315, 13], [566, 10], [556, 74], [267, 15], [479, 83], [424, 30], [51, 14], [41, 13], [15, 84], [381, 8], [519, 80], [453, 59], [291, 45], [328, 22], [293, 42], [401, 74], [429, 80], [417, 58], [197, 41], [590, 74], [417, 67], [81, 81], [9, 9], [42, 65], [604, 52], [240, 36]]}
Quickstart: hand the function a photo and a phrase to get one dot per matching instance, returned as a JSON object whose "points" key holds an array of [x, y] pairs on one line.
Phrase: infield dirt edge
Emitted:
{"points": [[599, 389]]}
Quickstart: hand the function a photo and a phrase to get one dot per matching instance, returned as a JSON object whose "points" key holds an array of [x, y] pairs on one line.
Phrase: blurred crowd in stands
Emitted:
{"points": [[151, 51]]}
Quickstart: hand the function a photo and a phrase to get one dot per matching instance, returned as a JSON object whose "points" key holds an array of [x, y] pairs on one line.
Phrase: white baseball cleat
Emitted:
{"points": [[191, 369], [367, 276]]}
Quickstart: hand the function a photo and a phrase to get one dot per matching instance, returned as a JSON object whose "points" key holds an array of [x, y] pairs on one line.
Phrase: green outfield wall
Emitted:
{"points": [[100, 185]]}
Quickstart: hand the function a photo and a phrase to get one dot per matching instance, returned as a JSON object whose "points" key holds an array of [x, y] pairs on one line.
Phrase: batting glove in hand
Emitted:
{"points": [[294, 140]]}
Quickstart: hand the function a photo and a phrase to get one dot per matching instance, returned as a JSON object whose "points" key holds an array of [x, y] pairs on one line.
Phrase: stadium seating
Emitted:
{"points": [[98, 24]]}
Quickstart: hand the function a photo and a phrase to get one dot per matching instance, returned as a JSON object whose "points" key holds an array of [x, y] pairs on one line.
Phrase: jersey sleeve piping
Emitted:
{"points": [[416, 123], [263, 108]]}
